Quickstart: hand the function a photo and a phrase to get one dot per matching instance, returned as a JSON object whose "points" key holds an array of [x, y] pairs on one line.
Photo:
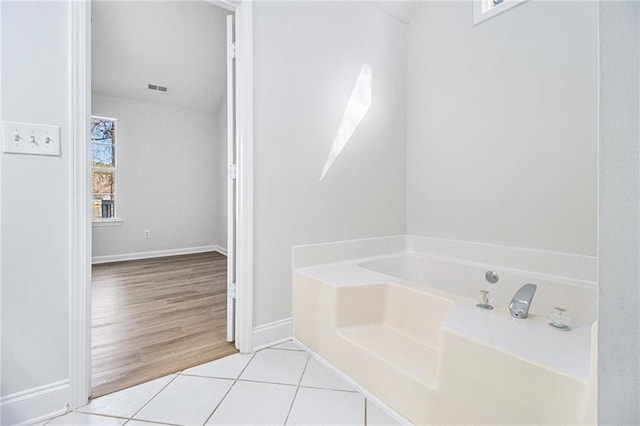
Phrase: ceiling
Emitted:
{"points": [[176, 44], [180, 45]]}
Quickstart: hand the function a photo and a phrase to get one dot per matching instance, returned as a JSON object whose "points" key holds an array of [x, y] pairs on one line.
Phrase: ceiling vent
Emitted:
{"points": [[156, 87]]}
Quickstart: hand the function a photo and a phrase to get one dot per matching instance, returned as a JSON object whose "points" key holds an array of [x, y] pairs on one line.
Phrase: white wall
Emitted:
{"points": [[502, 125], [167, 178], [35, 213], [307, 57], [360, 196], [619, 251]]}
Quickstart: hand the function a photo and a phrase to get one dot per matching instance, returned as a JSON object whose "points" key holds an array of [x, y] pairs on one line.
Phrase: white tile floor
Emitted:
{"points": [[275, 386]]}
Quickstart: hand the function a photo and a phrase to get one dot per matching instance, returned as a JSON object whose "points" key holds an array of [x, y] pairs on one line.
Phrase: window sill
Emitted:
{"points": [[106, 222]]}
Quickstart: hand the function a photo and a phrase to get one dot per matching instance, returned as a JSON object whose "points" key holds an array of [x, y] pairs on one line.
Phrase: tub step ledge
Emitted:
{"points": [[405, 353]]}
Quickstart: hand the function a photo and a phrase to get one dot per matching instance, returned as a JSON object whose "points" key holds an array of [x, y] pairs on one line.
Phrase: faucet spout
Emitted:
{"points": [[521, 301]]}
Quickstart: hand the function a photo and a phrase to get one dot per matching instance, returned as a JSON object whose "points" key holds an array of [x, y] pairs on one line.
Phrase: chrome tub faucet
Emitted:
{"points": [[521, 301]]}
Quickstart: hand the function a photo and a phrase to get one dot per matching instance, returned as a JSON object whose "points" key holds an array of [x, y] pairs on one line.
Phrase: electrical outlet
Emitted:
{"points": [[147, 233]]}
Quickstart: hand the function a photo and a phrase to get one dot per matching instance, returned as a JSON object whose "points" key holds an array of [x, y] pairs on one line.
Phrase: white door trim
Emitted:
{"points": [[231, 180], [79, 14], [79, 199], [244, 181]]}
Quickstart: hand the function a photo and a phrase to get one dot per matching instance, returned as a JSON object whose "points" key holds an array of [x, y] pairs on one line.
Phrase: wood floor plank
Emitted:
{"points": [[154, 317]]}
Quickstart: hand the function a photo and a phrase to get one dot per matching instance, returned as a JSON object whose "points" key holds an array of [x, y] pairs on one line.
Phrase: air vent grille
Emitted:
{"points": [[156, 87]]}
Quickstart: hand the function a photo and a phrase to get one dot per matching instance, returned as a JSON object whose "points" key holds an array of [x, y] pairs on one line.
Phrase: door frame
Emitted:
{"points": [[80, 226]]}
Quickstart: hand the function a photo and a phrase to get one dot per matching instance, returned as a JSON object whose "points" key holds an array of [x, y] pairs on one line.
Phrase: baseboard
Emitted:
{"points": [[272, 333], [158, 253], [35, 405]]}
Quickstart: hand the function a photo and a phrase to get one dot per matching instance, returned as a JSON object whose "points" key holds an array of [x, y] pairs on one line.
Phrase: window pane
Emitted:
{"points": [[103, 155], [95, 209], [103, 142], [102, 131], [103, 207], [104, 183]]}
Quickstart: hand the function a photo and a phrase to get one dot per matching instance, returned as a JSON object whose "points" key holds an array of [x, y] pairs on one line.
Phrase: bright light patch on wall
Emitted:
{"points": [[357, 107]]}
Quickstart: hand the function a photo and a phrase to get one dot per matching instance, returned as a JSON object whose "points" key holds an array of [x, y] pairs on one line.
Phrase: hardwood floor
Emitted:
{"points": [[158, 316]]}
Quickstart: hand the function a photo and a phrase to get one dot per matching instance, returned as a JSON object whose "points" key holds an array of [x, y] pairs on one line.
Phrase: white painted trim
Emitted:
{"points": [[273, 333], [1, 160], [100, 223], [153, 254], [222, 250], [35, 405], [231, 180], [244, 123], [79, 13]]}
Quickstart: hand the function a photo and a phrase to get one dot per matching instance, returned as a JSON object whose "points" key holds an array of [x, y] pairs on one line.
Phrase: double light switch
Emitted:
{"points": [[27, 138]]}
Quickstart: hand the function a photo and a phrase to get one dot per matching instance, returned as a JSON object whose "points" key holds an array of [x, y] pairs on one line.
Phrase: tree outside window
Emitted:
{"points": [[103, 176]]}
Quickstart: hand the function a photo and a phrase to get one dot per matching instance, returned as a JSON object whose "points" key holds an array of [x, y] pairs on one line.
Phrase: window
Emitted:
{"points": [[485, 9], [103, 168]]}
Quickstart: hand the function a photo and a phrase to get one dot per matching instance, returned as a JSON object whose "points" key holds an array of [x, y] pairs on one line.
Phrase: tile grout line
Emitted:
{"points": [[280, 384], [180, 373], [329, 389], [230, 387], [153, 397], [109, 416], [129, 420], [220, 402], [295, 395], [267, 383], [255, 381], [150, 422]]}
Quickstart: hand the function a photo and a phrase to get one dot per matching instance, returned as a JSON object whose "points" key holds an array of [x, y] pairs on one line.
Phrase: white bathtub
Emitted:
{"points": [[404, 325], [468, 278]]}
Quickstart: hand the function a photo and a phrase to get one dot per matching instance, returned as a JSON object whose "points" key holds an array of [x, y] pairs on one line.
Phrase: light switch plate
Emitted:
{"points": [[28, 138]]}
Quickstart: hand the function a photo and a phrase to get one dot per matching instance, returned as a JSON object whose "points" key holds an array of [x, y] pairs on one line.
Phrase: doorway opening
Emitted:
{"points": [[79, 14], [159, 190]]}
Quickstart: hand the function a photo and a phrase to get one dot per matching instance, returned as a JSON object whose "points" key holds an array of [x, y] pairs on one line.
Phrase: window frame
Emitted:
{"points": [[115, 220], [485, 9]]}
